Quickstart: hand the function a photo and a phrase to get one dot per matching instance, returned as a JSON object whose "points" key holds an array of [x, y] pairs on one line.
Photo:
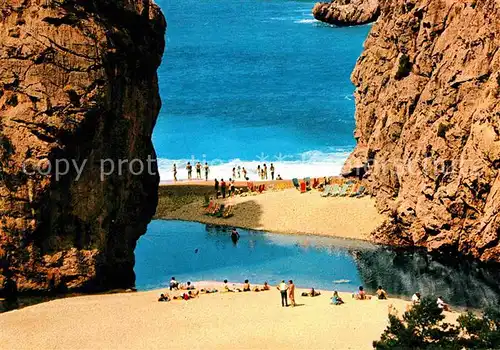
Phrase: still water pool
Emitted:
{"points": [[194, 251]]}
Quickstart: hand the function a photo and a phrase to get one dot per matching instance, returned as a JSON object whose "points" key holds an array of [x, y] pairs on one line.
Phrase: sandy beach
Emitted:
{"points": [[211, 321], [285, 211]]}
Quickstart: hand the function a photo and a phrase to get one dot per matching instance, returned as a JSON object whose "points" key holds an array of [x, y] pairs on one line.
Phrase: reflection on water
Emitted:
{"points": [[193, 251], [458, 280]]}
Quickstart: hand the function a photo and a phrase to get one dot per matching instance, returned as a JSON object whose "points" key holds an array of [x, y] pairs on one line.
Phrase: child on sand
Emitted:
{"points": [[336, 300], [225, 287], [174, 284]]}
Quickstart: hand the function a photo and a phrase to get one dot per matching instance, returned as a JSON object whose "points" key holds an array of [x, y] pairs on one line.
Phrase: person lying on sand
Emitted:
{"points": [[266, 286], [193, 294], [164, 297], [208, 291], [361, 294], [312, 293], [336, 300], [381, 294], [187, 286]]}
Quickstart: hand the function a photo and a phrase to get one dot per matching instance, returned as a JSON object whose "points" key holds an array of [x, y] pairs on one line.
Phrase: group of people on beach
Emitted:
{"points": [[287, 293], [189, 168], [238, 172]]}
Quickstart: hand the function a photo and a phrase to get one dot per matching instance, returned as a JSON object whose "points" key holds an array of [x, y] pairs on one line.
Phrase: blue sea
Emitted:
{"points": [[192, 251], [253, 82]]}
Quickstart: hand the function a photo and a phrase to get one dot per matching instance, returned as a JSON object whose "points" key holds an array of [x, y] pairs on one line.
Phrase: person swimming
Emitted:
{"points": [[235, 236]]}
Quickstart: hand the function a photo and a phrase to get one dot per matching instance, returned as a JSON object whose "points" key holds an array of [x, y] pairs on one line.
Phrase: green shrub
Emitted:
{"points": [[423, 328], [442, 129], [404, 67]]}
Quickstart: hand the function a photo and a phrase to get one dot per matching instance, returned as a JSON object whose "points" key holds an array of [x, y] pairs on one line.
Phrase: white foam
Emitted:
{"points": [[307, 21], [311, 163]]}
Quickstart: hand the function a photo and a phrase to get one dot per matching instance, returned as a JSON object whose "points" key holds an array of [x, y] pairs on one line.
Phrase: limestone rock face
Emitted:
{"points": [[428, 122], [78, 83], [347, 12]]}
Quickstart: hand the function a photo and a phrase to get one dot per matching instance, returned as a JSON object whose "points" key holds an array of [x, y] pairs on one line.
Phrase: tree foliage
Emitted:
{"points": [[422, 327]]}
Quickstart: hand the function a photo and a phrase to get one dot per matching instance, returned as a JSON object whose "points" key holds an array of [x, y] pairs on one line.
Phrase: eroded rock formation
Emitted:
{"points": [[428, 120], [347, 12], [77, 82]]}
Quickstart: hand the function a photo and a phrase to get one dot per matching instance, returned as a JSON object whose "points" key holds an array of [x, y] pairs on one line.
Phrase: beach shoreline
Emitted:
{"points": [[285, 211], [246, 320]]}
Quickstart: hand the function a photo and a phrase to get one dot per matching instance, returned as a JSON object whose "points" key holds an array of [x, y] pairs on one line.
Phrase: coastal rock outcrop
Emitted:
{"points": [[78, 87], [428, 124], [347, 12]]}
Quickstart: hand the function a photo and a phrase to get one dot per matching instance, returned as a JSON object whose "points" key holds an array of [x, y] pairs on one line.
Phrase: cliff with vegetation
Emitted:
{"points": [[78, 83], [428, 124]]}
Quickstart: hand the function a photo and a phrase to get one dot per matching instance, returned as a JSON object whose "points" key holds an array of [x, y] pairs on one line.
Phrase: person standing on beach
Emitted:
{"points": [[207, 169], [234, 172], [175, 172], [216, 189], [244, 173], [272, 171], [198, 171], [282, 287], [265, 171], [291, 292], [239, 172], [258, 171], [223, 188], [189, 169]]}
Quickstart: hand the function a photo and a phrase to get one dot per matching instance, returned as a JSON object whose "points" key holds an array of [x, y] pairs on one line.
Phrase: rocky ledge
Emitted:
{"points": [[78, 83], [428, 124], [347, 12]]}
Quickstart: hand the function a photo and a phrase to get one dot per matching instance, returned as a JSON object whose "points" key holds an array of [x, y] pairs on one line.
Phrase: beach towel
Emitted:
{"points": [[327, 190], [295, 182]]}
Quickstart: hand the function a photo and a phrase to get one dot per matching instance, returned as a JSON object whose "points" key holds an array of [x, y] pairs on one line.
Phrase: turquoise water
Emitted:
{"points": [[193, 252], [252, 82]]}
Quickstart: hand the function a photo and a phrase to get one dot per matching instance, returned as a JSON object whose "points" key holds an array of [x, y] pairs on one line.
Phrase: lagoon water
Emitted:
{"points": [[252, 82], [194, 251]]}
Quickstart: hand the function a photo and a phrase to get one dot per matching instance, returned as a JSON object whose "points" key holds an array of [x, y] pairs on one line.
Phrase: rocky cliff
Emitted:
{"points": [[347, 12], [78, 84], [428, 123]]}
